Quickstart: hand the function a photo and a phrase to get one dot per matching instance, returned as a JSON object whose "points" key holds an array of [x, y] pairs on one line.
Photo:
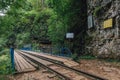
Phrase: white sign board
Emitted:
{"points": [[27, 45], [90, 21], [69, 35]]}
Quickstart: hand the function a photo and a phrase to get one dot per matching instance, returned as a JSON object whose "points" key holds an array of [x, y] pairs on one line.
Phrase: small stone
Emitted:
{"points": [[45, 71], [87, 65], [51, 76], [107, 69], [107, 64]]}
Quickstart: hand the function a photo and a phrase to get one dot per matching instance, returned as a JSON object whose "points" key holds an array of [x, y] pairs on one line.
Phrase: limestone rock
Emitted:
{"points": [[106, 69], [105, 42]]}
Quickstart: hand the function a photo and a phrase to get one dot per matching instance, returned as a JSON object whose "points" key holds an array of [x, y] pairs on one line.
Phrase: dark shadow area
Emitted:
{"points": [[78, 26]]}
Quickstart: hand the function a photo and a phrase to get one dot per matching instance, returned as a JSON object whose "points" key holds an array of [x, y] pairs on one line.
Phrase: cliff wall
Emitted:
{"points": [[104, 28]]}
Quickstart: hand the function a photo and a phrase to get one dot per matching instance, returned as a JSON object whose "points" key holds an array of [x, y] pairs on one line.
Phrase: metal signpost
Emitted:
{"points": [[69, 36]]}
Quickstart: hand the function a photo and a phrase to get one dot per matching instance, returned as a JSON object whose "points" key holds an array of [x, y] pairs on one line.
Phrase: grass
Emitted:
{"points": [[90, 57], [87, 57], [115, 62], [112, 60]]}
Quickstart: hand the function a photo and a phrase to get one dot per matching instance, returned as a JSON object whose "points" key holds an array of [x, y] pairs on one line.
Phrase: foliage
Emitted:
{"points": [[2, 43], [22, 39], [96, 11], [5, 66], [74, 57], [37, 21], [75, 19], [56, 30], [113, 60], [5, 3], [87, 57]]}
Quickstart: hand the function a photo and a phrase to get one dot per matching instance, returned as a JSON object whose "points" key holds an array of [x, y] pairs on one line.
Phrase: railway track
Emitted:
{"points": [[65, 72]]}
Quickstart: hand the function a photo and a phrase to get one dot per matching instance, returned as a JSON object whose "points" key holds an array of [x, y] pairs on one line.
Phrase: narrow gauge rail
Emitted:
{"points": [[36, 61], [60, 65], [61, 71]]}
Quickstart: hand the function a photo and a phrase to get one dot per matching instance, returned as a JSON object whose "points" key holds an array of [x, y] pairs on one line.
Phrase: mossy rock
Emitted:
{"points": [[97, 11]]}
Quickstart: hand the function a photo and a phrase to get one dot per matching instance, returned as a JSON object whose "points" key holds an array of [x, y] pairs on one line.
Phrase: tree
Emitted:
{"points": [[72, 14], [46, 20]]}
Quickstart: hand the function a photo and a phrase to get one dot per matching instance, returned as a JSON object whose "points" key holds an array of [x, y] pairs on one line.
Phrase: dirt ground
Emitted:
{"points": [[108, 70], [35, 75]]}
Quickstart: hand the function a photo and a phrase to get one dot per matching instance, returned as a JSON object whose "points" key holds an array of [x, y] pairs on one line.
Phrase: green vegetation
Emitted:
{"points": [[96, 11], [89, 57], [36, 21], [112, 60], [5, 66], [85, 56]]}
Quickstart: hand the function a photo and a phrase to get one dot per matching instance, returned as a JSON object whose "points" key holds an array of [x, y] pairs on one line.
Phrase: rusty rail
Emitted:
{"points": [[63, 65]]}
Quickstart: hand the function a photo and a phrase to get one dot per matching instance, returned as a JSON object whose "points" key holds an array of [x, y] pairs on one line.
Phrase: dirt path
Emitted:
{"points": [[111, 71], [36, 75]]}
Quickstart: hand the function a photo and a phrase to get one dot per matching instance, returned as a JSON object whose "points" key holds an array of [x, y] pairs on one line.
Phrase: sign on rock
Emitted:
{"points": [[108, 23], [90, 21]]}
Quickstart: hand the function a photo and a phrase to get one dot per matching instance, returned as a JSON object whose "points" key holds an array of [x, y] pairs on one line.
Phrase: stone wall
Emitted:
{"points": [[105, 42]]}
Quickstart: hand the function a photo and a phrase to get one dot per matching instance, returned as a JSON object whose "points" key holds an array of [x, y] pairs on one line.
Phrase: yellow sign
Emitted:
{"points": [[108, 23]]}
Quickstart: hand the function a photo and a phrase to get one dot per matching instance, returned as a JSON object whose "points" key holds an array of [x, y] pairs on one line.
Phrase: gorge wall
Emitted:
{"points": [[104, 28]]}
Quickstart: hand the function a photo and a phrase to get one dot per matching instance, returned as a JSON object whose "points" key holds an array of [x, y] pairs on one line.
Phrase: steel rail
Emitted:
{"points": [[63, 65], [44, 66]]}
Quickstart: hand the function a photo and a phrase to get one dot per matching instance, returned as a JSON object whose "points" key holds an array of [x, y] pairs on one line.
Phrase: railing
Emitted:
{"points": [[63, 51]]}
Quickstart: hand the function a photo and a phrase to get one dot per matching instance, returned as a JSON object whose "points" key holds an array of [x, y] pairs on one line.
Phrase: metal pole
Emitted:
{"points": [[12, 57]]}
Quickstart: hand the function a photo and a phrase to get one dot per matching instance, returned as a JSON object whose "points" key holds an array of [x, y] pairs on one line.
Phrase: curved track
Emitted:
{"points": [[66, 72]]}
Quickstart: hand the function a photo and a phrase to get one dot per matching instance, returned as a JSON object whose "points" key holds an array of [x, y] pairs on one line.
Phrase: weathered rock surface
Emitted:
{"points": [[105, 42]]}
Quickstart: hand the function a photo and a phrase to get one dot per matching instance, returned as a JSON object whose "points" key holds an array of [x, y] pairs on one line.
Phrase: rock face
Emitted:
{"points": [[105, 42]]}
